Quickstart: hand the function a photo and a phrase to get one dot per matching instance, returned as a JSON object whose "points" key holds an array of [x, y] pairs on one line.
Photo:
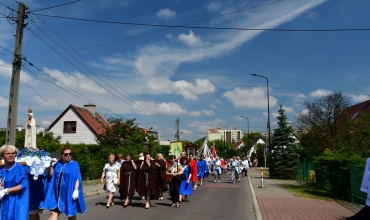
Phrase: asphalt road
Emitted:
{"points": [[212, 201]]}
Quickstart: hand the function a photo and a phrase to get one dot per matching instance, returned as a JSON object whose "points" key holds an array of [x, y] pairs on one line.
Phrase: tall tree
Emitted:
{"points": [[284, 158], [319, 125]]}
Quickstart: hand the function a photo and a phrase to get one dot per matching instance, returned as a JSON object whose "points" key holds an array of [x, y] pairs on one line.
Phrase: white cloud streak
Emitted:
{"points": [[320, 92], [163, 108], [166, 13], [254, 97]]}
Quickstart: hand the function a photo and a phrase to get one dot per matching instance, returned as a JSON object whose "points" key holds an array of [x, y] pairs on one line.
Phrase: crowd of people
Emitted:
{"points": [[59, 188], [151, 178]]}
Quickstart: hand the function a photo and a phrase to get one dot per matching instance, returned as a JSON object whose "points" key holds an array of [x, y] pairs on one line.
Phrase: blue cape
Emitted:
{"points": [[14, 206], [65, 203], [203, 170], [37, 190]]}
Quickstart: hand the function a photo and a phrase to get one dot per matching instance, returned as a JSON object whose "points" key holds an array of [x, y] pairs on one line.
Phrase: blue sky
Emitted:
{"points": [[201, 76]]}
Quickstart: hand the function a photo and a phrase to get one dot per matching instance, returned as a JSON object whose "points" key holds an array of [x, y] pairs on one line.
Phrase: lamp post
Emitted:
{"points": [[268, 110], [247, 131]]}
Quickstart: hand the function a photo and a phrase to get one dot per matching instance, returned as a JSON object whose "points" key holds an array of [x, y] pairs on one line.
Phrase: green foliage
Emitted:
{"points": [[337, 165], [284, 158]]}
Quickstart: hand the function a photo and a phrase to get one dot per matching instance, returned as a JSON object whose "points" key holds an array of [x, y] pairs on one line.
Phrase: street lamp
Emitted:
{"points": [[268, 110], [248, 130]]}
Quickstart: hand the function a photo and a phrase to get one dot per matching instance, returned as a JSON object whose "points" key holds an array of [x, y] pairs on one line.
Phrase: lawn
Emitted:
{"points": [[310, 191]]}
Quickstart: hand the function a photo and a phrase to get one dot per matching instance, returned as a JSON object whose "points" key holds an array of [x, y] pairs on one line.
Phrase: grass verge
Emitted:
{"points": [[310, 191]]}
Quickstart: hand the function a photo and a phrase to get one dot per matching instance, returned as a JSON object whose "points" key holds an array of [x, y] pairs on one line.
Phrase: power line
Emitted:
{"points": [[153, 32], [108, 90], [115, 85], [56, 6], [206, 27]]}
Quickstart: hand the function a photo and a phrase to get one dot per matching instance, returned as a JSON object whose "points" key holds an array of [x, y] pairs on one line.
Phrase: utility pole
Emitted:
{"points": [[14, 83], [177, 135]]}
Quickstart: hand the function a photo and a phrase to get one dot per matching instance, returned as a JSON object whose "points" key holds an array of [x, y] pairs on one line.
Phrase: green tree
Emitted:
{"points": [[284, 158], [321, 126]]}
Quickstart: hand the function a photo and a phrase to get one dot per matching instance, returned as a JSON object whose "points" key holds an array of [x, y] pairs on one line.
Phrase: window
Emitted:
{"points": [[69, 127]]}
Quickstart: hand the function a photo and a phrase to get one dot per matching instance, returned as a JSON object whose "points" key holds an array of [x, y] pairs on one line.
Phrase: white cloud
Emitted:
{"points": [[249, 98], [304, 111], [359, 98], [4, 103], [194, 113], [320, 93], [289, 110], [6, 71], [169, 36], [212, 105], [191, 40], [311, 15], [203, 127], [46, 123], [299, 98], [76, 81], [163, 108], [166, 13], [191, 91], [208, 112], [214, 6], [45, 102]]}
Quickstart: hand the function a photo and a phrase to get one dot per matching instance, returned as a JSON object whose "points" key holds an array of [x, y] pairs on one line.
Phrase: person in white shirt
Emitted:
{"points": [[217, 169], [245, 164]]}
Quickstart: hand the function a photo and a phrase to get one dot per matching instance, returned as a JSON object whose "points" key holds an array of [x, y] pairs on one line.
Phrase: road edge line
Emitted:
{"points": [[255, 203]]}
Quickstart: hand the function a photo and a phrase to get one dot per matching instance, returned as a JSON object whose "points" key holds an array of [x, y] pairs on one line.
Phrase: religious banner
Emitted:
{"points": [[176, 148]]}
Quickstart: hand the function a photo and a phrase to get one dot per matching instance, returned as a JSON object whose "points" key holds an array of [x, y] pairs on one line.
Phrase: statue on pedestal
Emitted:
{"points": [[30, 138]]}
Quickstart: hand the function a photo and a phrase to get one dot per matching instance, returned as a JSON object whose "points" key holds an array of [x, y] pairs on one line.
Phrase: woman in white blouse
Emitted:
{"points": [[110, 172]]}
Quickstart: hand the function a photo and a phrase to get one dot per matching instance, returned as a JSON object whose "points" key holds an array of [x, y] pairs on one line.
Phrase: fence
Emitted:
{"points": [[320, 178], [356, 174]]}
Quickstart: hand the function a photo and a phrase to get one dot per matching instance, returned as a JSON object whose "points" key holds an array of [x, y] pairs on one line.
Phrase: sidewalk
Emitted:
{"points": [[275, 202], [92, 188]]}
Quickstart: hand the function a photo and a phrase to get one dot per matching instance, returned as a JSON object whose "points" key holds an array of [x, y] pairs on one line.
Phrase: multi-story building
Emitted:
{"points": [[226, 135]]}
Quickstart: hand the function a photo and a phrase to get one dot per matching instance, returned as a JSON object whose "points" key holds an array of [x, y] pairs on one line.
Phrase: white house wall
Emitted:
{"points": [[83, 133]]}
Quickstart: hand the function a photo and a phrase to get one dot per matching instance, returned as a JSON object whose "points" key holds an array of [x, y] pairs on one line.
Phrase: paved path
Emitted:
{"points": [[213, 201], [275, 202]]}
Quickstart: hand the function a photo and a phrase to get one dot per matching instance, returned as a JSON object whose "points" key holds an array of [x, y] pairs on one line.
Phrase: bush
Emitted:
{"points": [[337, 165]]}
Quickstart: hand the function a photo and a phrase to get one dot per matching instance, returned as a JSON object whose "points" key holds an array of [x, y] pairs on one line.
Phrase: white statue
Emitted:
{"points": [[30, 138]]}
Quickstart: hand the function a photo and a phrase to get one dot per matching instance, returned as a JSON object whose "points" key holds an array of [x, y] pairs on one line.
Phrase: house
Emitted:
{"points": [[355, 111], [78, 125]]}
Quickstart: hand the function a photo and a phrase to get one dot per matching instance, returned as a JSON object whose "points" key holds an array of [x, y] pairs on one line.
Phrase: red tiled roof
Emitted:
{"points": [[95, 122], [355, 110], [237, 144]]}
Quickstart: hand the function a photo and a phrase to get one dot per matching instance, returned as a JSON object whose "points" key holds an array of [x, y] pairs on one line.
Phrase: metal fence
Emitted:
{"points": [[313, 173], [356, 174]]}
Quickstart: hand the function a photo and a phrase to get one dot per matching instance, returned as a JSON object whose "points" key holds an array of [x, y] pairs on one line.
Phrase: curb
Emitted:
{"points": [[96, 193], [255, 203]]}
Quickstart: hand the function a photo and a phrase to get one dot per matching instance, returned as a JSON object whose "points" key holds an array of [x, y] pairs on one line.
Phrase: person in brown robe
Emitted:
{"points": [[127, 180], [161, 175], [147, 185]]}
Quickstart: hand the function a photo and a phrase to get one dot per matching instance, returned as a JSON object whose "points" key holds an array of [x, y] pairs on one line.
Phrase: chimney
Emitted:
{"points": [[90, 108]]}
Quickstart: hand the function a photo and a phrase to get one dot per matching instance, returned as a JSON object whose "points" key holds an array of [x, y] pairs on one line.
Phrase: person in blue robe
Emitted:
{"points": [[186, 187], [14, 193], [37, 190], [65, 194], [203, 170]]}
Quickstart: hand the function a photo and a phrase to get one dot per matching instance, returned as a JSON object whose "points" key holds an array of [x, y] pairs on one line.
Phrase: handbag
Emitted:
{"points": [[115, 180], [180, 177]]}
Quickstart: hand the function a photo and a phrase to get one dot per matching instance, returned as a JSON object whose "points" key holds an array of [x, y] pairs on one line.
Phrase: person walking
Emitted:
{"points": [[147, 186], [186, 188], [173, 170], [194, 170], [217, 169], [14, 193], [65, 193], [127, 179], [161, 175], [110, 172], [203, 170], [245, 164]]}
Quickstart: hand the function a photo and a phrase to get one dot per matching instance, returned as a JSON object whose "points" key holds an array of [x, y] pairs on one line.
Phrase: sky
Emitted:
{"points": [[199, 75]]}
